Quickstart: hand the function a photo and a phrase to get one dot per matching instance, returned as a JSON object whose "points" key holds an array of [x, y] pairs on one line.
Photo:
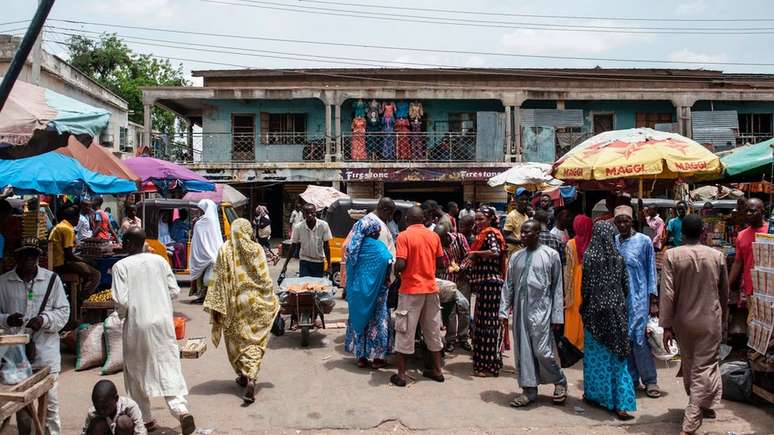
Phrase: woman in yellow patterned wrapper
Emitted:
{"points": [[242, 304]]}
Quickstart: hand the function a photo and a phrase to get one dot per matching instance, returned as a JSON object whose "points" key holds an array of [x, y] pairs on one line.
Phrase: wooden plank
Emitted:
{"points": [[31, 393], [14, 339], [763, 394], [23, 385]]}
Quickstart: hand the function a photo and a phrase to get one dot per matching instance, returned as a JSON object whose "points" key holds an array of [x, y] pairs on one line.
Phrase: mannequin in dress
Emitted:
{"points": [[373, 127], [360, 108], [358, 138], [402, 110], [417, 140], [416, 111], [404, 146]]}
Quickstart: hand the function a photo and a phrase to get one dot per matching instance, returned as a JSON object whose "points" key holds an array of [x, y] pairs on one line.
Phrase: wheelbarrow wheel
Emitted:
{"points": [[305, 335]]}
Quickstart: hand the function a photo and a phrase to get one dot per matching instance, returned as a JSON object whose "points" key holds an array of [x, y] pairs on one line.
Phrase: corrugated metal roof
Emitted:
{"points": [[715, 119], [551, 118], [721, 138], [669, 127]]}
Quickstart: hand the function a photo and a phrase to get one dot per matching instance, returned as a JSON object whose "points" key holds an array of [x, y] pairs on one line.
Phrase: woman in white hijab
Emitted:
{"points": [[205, 243]]}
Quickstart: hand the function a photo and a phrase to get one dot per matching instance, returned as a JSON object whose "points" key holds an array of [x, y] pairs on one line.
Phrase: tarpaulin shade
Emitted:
{"points": [[321, 196], [222, 193], [162, 173], [98, 159], [753, 160]]}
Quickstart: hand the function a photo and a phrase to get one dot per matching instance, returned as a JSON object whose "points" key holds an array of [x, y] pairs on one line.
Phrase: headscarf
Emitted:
{"points": [[242, 289], [582, 226], [368, 263], [367, 226], [206, 239], [604, 288], [624, 210], [480, 240]]}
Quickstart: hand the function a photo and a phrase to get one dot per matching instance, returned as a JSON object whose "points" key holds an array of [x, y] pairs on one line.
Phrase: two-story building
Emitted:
{"points": [[438, 133]]}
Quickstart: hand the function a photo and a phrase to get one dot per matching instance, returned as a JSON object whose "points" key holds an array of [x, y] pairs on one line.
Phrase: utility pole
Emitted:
{"points": [[20, 57], [37, 56]]}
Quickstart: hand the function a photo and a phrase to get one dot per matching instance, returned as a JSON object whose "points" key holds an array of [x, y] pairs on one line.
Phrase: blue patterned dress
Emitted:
{"points": [[606, 378], [375, 343]]}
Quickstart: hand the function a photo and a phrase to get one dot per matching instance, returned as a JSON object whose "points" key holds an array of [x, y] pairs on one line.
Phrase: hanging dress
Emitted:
{"points": [[404, 145], [358, 139]]}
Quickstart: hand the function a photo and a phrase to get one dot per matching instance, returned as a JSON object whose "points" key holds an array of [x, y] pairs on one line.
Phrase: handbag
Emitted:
{"points": [[392, 294], [278, 327], [30, 349], [569, 355]]}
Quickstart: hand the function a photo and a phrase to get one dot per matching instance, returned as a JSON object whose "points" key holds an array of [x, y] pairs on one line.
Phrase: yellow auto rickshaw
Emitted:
{"points": [[153, 211]]}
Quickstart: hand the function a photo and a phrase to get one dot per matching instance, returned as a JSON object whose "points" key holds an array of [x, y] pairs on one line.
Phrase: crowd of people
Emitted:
{"points": [[548, 275]]}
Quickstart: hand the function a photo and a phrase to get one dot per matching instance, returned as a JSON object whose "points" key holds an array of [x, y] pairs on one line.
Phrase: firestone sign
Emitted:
{"points": [[420, 174]]}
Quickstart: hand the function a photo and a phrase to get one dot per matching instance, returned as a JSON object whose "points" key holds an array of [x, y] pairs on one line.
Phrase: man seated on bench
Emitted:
{"points": [[64, 260]]}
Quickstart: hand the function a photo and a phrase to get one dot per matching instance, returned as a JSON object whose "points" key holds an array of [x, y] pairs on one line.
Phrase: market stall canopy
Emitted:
{"points": [[164, 174], [709, 193], [53, 173], [322, 196], [527, 174], [636, 153], [98, 159], [35, 120], [752, 162], [222, 193]]}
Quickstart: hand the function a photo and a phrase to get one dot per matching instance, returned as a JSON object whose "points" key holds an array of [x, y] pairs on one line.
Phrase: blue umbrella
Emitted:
{"points": [[53, 173]]}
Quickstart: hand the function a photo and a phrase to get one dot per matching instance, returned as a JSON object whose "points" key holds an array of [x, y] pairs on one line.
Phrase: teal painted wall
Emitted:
{"points": [[739, 106], [216, 146], [625, 112]]}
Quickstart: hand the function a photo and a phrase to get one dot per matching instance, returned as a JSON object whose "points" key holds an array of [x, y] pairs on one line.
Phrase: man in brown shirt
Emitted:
{"points": [[693, 310]]}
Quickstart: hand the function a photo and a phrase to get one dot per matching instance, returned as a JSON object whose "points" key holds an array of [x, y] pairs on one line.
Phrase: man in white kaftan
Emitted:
{"points": [[143, 289], [533, 289]]}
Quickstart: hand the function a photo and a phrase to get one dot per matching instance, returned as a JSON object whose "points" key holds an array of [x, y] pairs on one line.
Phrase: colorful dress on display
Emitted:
{"points": [[373, 135], [358, 139], [360, 109], [404, 146], [388, 110], [402, 110], [388, 128], [416, 111], [417, 140]]}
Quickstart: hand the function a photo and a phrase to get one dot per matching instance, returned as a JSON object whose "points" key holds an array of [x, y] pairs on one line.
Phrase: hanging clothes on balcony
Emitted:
{"points": [[402, 110], [417, 140], [358, 139], [404, 145], [360, 109], [388, 130], [388, 110], [373, 137], [416, 111]]}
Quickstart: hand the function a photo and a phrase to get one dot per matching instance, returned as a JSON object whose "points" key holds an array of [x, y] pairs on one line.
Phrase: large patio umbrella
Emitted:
{"points": [[533, 176], [164, 174], [322, 196], [98, 159], [222, 193], [35, 120], [53, 173], [750, 162]]}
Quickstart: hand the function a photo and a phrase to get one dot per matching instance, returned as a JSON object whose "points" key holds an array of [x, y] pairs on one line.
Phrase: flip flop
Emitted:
{"points": [[623, 415], [653, 391], [430, 375], [187, 424], [560, 395], [397, 381], [521, 401], [249, 396]]}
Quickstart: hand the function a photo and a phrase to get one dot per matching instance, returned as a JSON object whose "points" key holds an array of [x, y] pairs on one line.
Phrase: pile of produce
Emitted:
{"points": [[103, 296]]}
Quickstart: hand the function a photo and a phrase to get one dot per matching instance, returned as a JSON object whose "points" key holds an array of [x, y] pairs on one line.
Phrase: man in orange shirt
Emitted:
{"points": [[744, 261], [418, 253]]}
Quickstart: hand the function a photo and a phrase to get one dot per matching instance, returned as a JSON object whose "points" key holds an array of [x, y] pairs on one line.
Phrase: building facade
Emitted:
{"points": [[438, 133], [52, 72]]}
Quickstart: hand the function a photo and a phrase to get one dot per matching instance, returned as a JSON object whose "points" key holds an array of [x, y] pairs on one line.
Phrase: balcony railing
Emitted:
{"points": [[744, 139], [405, 147]]}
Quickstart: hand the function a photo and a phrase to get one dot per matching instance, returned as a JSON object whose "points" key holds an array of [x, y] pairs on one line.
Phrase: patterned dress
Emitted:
{"points": [[376, 341], [486, 282], [606, 378]]}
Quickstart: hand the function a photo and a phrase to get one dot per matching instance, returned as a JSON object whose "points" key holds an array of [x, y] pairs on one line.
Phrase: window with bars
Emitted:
{"points": [[243, 137], [283, 128], [755, 124], [650, 119]]}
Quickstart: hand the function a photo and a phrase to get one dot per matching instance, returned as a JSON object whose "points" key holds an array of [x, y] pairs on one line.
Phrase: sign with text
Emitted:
{"points": [[420, 174]]}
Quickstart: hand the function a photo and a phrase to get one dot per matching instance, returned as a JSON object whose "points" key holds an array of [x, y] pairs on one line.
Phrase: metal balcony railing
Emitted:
{"points": [[744, 139], [404, 147]]}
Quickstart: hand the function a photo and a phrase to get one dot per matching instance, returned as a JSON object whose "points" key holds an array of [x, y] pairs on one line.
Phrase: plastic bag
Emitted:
{"points": [[569, 355], [656, 341], [447, 290], [737, 380], [15, 366]]}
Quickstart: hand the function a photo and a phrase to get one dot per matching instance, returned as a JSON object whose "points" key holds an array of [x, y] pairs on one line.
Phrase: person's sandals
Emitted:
{"points": [[151, 426], [560, 395], [249, 396], [241, 381], [362, 363], [623, 415], [465, 345], [430, 375], [397, 381], [187, 424], [481, 374], [450, 347], [653, 391], [378, 364], [709, 414], [521, 401]]}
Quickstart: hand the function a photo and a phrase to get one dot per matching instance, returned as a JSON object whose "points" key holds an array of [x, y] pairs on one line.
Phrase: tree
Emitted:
{"points": [[113, 64]]}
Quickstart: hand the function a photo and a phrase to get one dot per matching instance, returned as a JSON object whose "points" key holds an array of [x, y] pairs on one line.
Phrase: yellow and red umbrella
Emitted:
{"points": [[636, 153]]}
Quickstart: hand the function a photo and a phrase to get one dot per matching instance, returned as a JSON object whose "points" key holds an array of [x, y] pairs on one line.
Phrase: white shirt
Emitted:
{"points": [[125, 406], [83, 229], [296, 216], [14, 298], [311, 240], [143, 289], [562, 234], [466, 212]]}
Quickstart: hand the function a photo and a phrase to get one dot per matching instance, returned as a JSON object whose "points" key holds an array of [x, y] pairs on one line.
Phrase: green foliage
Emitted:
{"points": [[112, 63]]}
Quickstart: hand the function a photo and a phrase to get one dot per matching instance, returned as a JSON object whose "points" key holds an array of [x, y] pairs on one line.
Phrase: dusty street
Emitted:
{"points": [[320, 390]]}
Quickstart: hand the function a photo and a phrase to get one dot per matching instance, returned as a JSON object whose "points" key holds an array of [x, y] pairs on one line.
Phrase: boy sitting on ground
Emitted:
{"points": [[112, 414]]}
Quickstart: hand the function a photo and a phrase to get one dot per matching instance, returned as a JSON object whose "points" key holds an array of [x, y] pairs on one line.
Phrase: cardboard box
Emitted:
{"points": [[193, 348]]}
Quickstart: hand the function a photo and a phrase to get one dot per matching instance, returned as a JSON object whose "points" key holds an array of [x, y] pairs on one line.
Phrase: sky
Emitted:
{"points": [[495, 29]]}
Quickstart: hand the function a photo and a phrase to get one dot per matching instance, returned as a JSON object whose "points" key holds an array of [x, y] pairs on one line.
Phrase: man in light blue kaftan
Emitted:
{"points": [[637, 251], [533, 289]]}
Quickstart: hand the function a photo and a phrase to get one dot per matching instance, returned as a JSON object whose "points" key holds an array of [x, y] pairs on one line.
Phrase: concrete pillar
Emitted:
{"points": [[684, 121], [508, 134], [147, 110], [559, 104], [327, 132], [337, 129], [517, 131], [189, 139]]}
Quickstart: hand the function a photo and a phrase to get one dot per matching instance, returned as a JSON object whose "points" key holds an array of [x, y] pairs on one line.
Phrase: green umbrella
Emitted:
{"points": [[751, 162]]}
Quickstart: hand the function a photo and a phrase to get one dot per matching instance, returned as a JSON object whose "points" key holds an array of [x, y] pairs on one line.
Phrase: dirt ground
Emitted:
{"points": [[320, 390]]}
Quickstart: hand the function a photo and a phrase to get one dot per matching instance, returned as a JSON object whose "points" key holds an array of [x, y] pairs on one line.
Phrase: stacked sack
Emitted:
{"points": [[100, 344]]}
